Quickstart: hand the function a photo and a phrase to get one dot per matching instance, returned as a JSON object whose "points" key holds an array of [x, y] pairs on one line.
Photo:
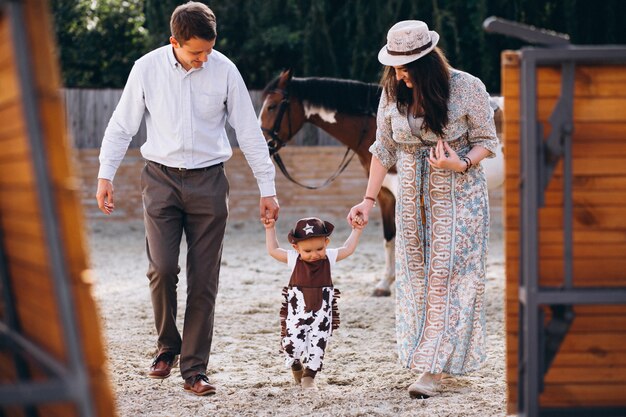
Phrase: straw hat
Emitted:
{"points": [[407, 41]]}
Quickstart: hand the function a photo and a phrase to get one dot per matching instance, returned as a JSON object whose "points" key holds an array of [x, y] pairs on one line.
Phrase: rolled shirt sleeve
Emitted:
{"points": [[481, 125]]}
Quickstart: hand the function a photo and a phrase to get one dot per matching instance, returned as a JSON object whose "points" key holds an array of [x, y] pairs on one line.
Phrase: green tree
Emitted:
{"points": [[157, 21], [98, 40]]}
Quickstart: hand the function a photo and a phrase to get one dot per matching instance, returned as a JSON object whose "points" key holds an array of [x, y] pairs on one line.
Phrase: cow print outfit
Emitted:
{"points": [[309, 312]]}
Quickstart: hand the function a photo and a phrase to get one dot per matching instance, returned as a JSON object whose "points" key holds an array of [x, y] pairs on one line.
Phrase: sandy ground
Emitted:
{"points": [[361, 376]]}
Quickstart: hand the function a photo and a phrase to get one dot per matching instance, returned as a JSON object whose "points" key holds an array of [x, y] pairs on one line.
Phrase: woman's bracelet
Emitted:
{"points": [[367, 197], [468, 163]]}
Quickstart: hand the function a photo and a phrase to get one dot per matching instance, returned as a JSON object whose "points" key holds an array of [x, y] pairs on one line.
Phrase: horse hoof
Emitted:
{"points": [[380, 292]]}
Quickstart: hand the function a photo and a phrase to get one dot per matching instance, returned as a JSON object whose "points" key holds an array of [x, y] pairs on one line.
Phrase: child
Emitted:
{"points": [[309, 313]]}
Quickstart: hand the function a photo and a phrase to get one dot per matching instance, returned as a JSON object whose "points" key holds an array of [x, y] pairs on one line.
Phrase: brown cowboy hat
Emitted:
{"points": [[309, 227]]}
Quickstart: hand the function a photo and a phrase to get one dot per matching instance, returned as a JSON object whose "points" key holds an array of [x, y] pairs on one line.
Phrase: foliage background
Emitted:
{"points": [[100, 39]]}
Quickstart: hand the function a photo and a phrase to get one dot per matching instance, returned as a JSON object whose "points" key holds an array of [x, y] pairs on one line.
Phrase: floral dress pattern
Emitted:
{"points": [[442, 223]]}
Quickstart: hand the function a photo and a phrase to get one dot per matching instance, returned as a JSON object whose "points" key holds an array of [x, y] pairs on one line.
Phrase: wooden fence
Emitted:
{"points": [[88, 112]]}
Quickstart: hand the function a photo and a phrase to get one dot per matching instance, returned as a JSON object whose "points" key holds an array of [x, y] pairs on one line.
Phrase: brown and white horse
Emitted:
{"points": [[346, 110]]}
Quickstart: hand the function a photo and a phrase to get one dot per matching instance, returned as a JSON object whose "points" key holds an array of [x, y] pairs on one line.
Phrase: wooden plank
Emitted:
{"points": [[21, 201], [9, 93], [12, 123], [584, 360], [16, 172], [591, 183], [587, 272], [586, 183], [16, 225], [599, 81], [580, 197], [600, 89], [597, 312], [611, 218], [581, 342], [603, 109], [586, 236], [587, 74], [581, 323], [582, 148], [581, 166], [596, 133], [6, 50], [27, 252], [45, 333], [580, 395], [567, 374], [577, 395], [598, 251], [601, 311], [34, 281], [13, 146]]}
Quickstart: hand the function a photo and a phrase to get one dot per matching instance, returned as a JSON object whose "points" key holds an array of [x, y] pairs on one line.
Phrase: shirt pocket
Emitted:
{"points": [[209, 105]]}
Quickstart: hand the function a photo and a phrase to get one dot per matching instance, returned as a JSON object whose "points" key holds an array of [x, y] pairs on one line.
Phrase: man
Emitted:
{"points": [[186, 90]]}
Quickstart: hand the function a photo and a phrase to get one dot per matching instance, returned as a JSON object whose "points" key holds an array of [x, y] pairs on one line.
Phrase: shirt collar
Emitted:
{"points": [[171, 57]]}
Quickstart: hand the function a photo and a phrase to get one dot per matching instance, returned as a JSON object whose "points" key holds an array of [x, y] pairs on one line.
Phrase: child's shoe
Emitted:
{"points": [[297, 375], [308, 383]]}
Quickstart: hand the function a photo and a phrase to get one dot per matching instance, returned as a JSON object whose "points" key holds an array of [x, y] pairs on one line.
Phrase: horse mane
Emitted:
{"points": [[345, 96]]}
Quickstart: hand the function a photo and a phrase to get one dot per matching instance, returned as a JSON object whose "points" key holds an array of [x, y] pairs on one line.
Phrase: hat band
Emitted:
{"points": [[411, 52]]}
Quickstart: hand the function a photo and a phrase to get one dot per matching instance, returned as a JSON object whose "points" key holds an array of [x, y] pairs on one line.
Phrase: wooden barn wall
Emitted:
{"points": [[22, 228], [590, 368], [310, 165]]}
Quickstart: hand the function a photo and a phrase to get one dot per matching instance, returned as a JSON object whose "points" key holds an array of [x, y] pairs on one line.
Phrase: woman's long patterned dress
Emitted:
{"points": [[442, 222]]}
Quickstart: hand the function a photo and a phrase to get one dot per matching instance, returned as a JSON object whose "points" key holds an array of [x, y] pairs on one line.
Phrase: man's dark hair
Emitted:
{"points": [[193, 20]]}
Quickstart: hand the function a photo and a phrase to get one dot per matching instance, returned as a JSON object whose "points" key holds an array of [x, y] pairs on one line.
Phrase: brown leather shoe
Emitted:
{"points": [[162, 365], [199, 385]]}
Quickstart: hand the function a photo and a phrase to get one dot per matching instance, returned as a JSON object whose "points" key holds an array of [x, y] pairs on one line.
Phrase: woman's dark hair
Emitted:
{"points": [[430, 75], [193, 20]]}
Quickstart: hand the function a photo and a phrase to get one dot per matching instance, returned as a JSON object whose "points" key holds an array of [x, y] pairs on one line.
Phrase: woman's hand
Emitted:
{"points": [[359, 214], [443, 156]]}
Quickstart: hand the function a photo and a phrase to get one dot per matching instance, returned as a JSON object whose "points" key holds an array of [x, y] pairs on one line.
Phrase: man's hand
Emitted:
{"points": [[104, 195], [269, 207]]}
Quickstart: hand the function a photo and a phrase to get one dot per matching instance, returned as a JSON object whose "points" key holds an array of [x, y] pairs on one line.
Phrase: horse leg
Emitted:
{"points": [[387, 204]]}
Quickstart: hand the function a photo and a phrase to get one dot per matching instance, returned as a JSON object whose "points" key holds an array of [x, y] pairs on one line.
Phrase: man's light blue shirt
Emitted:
{"points": [[185, 113]]}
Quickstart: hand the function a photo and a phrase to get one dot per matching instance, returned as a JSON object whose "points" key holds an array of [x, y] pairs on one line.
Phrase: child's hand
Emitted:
{"points": [[357, 222], [268, 223]]}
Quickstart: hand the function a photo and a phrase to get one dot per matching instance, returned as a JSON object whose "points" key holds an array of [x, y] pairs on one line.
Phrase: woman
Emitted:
{"points": [[436, 125]]}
